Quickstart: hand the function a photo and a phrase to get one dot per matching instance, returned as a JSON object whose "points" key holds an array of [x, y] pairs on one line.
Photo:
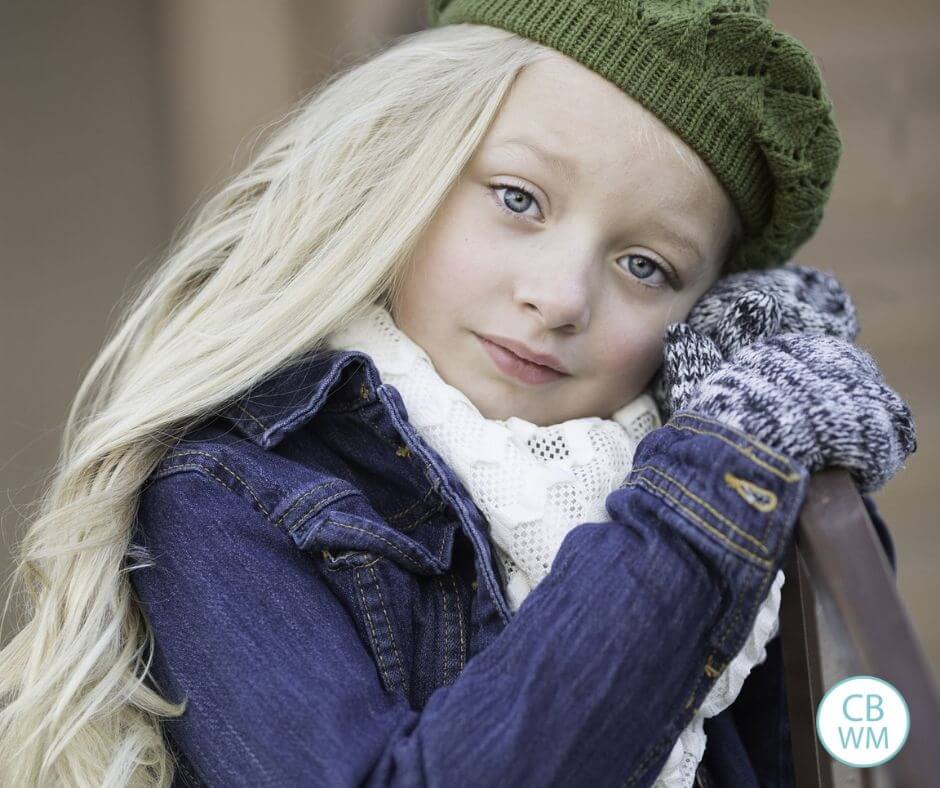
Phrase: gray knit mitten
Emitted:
{"points": [[744, 307], [819, 399]]}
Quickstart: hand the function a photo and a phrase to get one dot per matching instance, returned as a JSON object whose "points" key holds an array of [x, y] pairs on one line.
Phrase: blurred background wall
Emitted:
{"points": [[117, 116]]}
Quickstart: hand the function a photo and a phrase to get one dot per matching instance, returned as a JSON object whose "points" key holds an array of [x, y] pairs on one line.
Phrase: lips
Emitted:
{"points": [[526, 353], [517, 367]]}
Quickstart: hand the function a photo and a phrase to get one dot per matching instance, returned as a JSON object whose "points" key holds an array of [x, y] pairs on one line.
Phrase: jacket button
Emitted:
{"points": [[759, 498], [403, 451], [474, 585], [364, 392]]}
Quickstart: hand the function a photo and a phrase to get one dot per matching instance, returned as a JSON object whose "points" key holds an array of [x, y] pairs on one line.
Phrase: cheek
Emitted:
{"points": [[433, 282], [634, 352], [458, 272], [454, 264], [633, 349]]}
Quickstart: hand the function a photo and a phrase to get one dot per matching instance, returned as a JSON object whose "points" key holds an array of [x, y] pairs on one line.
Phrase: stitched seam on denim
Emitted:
{"points": [[735, 616], [444, 624], [756, 442], [479, 542], [395, 445], [458, 602], [295, 414], [318, 506], [375, 647], [341, 563], [391, 633], [489, 577], [449, 529], [440, 547], [423, 517], [395, 547], [750, 537], [768, 576], [676, 503], [751, 439], [428, 515], [207, 472], [251, 416], [382, 436], [746, 452], [309, 492], [337, 404], [657, 749]]}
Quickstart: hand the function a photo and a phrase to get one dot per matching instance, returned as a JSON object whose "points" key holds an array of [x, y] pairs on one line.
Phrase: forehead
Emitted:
{"points": [[603, 134]]}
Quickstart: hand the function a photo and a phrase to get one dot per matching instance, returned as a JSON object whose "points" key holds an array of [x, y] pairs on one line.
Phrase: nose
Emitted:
{"points": [[560, 294]]}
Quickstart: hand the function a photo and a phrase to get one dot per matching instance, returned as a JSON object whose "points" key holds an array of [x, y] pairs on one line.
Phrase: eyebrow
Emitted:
{"points": [[563, 165], [679, 239]]}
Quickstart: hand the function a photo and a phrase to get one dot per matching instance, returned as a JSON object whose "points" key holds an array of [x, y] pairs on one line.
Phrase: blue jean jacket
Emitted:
{"points": [[323, 593]]}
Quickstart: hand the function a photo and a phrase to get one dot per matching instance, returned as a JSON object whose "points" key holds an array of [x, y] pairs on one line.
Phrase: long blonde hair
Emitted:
{"points": [[320, 224]]}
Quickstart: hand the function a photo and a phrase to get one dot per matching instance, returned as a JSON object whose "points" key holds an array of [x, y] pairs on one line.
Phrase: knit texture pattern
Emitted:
{"points": [[743, 307], [534, 484], [819, 399], [748, 98]]}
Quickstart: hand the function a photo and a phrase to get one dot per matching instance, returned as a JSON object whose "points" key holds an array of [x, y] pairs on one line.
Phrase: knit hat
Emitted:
{"points": [[749, 99]]}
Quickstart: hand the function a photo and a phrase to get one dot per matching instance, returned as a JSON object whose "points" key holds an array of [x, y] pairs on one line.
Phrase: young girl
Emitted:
{"points": [[318, 521]]}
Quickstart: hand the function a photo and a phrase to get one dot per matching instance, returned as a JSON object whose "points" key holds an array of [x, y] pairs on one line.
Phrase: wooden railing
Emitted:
{"points": [[840, 607]]}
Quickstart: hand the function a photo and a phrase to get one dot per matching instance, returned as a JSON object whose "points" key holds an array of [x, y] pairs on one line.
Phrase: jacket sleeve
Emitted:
{"points": [[590, 682]]}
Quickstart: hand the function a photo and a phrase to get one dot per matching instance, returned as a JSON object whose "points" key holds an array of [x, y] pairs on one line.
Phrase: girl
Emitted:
{"points": [[262, 563]]}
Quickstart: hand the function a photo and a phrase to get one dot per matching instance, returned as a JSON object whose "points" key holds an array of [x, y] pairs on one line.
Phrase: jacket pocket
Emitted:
{"points": [[351, 528], [411, 610]]}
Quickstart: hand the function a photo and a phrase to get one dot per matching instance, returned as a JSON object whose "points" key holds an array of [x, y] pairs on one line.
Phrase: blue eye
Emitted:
{"points": [[646, 269], [515, 197]]}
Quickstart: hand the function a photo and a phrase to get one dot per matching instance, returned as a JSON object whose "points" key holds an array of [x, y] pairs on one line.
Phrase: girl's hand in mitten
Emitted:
{"points": [[816, 398], [744, 307]]}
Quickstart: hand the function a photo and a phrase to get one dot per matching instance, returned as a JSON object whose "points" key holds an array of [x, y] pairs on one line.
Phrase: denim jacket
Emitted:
{"points": [[324, 595]]}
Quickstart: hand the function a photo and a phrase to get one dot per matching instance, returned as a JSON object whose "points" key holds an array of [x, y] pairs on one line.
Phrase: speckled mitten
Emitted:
{"points": [[816, 398], [744, 307]]}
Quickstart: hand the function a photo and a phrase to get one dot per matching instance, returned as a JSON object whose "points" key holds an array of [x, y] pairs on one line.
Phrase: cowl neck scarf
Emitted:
{"points": [[534, 484]]}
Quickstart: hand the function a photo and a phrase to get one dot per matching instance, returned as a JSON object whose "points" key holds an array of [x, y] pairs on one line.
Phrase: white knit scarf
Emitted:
{"points": [[534, 484]]}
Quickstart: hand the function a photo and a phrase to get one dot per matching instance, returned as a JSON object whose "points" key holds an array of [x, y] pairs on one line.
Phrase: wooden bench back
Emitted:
{"points": [[840, 601]]}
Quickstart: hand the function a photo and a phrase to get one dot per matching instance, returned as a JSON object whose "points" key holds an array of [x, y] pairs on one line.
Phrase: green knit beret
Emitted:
{"points": [[749, 99]]}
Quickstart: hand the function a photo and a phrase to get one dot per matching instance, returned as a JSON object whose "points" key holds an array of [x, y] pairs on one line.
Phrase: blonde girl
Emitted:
{"points": [[254, 565]]}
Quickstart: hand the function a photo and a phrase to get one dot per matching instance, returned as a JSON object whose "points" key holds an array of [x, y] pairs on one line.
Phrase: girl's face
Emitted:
{"points": [[577, 230]]}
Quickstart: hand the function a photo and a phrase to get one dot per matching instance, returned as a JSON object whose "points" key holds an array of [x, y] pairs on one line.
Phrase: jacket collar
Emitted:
{"points": [[291, 396]]}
